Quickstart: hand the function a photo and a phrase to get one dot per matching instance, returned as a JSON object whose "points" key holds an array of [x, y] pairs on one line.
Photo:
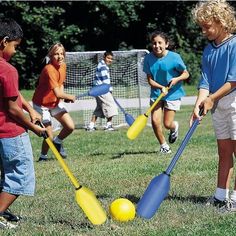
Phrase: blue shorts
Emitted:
{"points": [[17, 167]]}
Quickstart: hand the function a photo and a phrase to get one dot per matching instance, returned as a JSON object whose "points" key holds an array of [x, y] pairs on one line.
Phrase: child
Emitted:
{"points": [[217, 90], [48, 99], [17, 169], [164, 67], [106, 106]]}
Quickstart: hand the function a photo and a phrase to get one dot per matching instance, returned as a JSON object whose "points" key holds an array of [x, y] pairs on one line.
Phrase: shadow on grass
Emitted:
{"points": [[122, 154], [73, 225], [191, 198]]}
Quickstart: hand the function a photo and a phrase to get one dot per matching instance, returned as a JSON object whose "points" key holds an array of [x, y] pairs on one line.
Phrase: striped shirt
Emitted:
{"points": [[102, 75]]}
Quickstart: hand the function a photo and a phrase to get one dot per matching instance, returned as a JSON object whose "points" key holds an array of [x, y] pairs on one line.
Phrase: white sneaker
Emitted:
{"points": [[109, 128], [165, 150], [174, 133], [89, 129]]}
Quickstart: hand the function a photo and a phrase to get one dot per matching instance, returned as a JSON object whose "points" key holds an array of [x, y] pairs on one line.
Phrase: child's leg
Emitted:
{"points": [[67, 125], [225, 168], [156, 118], [225, 151], [168, 120], [6, 199]]}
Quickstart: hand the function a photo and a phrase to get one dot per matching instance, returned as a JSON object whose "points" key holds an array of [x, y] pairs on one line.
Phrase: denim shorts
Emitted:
{"points": [[17, 167]]}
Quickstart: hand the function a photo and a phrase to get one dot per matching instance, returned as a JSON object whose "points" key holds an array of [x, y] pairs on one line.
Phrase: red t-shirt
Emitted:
{"points": [[8, 88], [50, 78]]}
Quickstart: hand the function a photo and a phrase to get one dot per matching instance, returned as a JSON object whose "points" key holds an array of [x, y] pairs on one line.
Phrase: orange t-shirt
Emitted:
{"points": [[50, 78]]}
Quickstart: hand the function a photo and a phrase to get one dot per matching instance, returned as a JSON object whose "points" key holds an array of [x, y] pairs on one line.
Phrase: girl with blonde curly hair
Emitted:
{"points": [[217, 90]]}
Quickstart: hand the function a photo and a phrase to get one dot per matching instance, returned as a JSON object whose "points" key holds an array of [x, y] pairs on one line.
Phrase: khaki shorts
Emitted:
{"points": [[48, 113], [224, 117], [106, 106], [170, 105]]}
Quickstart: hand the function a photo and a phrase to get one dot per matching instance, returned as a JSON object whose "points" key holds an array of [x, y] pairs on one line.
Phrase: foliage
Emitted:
{"points": [[100, 25]]}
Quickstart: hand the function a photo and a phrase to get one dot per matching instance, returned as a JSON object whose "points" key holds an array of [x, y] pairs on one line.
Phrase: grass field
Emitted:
{"points": [[113, 166], [189, 89]]}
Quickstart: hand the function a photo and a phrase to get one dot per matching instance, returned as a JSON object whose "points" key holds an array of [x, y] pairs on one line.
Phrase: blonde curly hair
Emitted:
{"points": [[215, 10]]}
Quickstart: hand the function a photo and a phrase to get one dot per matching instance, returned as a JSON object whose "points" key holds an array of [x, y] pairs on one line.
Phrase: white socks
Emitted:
{"points": [[91, 125], [222, 194], [165, 145], [233, 196], [108, 123]]}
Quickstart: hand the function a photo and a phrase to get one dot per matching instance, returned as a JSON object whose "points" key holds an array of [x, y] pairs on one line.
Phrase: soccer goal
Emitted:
{"points": [[130, 86]]}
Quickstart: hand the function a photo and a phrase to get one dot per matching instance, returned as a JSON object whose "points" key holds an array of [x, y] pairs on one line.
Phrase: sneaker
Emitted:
{"points": [[213, 201], [60, 149], [4, 224], [174, 133], [229, 207], [9, 216], [165, 150], [41, 158], [109, 128], [90, 129]]}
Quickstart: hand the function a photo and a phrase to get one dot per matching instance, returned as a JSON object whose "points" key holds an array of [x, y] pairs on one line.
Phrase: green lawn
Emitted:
{"points": [[113, 167]]}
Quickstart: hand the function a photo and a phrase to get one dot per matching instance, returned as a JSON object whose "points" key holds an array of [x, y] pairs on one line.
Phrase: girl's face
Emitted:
{"points": [[159, 46], [108, 59], [58, 57], [213, 31], [10, 48]]}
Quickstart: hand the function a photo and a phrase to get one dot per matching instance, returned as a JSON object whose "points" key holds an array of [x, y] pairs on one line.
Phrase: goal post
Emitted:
{"points": [[130, 86]]}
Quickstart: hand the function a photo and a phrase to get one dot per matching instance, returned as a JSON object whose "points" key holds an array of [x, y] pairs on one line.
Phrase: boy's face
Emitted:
{"points": [[159, 46], [108, 59], [10, 48], [58, 57], [213, 31]]}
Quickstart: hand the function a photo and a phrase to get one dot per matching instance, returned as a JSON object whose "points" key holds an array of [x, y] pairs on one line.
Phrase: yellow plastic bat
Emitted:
{"points": [[85, 198], [141, 121]]}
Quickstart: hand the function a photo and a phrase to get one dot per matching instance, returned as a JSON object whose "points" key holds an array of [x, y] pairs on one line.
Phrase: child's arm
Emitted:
{"points": [[60, 94], [18, 115], [34, 115], [184, 75], [156, 85], [202, 95]]}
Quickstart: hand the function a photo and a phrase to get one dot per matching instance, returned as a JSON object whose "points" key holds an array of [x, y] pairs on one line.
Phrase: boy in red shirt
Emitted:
{"points": [[17, 169]]}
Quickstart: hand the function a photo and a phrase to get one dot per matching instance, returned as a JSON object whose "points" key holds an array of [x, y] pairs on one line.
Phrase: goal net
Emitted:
{"points": [[130, 86]]}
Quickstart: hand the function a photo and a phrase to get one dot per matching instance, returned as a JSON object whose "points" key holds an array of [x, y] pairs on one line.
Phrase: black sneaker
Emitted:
{"points": [[43, 158], [174, 133], [9, 216], [165, 150], [5, 224], [229, 207], [60, 149], [212, 201]]}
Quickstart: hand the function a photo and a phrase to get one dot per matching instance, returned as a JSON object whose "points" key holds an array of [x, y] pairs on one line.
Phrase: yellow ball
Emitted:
{"points": [[122, 210]]}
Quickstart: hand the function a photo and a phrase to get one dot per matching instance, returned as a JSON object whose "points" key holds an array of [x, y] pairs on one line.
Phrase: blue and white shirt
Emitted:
{"points": [[102, 75], [218, 65], [162, 71]]}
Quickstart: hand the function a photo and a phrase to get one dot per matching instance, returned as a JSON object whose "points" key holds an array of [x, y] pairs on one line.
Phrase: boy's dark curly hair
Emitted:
{"points": [[10, 30]]}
